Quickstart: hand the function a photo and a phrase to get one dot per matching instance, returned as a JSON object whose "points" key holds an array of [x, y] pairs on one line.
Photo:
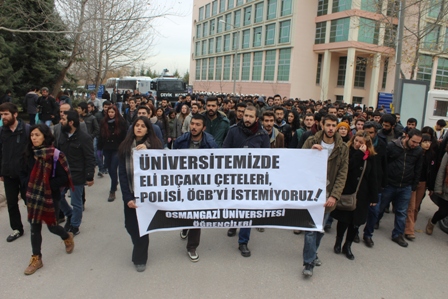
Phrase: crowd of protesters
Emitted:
{"points": [[370, 154]]}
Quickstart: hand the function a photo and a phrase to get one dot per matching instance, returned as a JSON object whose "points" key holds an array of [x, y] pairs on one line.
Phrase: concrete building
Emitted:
{"points": [[320, 49]]}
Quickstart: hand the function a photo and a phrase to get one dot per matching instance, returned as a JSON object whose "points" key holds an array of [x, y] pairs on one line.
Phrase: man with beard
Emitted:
{"points": [[194, 111], [78, 148], [216, 123], [307, 125], [92, 125], [194, 139], [281, 125], [337, 168], [237, 115], [248, 133], [404, 163], [276, 137], [387, 132], [14, 137]]}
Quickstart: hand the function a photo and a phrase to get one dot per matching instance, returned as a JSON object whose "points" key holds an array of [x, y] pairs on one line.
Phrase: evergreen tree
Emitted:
{"points": [[176, 74], [186, 77]]}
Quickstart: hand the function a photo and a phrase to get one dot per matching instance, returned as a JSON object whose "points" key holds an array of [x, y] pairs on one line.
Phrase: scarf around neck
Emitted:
{"points": [[38, 194]]}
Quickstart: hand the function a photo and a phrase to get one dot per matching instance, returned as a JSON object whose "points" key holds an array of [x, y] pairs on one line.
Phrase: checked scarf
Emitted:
{"points": [[38, 193]]}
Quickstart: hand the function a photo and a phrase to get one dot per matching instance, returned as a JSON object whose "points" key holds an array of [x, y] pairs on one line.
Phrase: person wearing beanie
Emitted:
{"points": [[343, 129]]}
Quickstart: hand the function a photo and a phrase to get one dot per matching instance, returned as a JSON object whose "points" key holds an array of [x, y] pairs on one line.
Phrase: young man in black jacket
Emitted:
{"points": [[14, 137], [248, 133], [78, 148]]}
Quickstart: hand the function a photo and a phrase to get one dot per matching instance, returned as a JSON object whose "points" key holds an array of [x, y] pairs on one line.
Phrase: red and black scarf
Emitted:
{"points": [[38, 193]]}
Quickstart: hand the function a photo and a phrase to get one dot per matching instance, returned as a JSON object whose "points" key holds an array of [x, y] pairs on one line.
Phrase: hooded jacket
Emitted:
{"points": [[337, 165], [183, 142]]}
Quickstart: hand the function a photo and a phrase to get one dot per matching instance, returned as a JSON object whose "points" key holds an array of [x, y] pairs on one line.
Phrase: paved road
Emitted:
{"points": [[101, 267]]}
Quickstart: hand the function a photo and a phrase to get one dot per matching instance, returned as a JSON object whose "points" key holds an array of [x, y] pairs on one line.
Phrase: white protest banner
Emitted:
{"points": [[230, 188]]}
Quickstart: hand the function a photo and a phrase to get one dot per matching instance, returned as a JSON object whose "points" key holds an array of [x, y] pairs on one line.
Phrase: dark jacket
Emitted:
{"points": [[130, 118], [240, 136], [368, 190], [78, 149], [403, 165], [113, 141], [92, 125], [285, 129], [429, 169], [337, 165], [48, 108], [65, 100], [217, 127], [12, 145], [183, 142], [30, 102], [381, 163]]}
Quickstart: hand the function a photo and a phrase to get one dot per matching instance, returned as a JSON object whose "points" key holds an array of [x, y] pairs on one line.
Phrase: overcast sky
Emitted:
{"points": [[172, 46]]}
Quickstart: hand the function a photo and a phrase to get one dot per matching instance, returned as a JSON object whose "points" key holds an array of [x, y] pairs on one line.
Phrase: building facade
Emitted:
{"points": [[319, 49]]}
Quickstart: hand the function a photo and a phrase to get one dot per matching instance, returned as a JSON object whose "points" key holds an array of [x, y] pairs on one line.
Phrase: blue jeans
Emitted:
{"points": [[329, 221], [400, 197], [119, 107], [111, 163], [243, 236], [75, 210], [48, 123], [311, 244], [98, 156], [372, 219]]}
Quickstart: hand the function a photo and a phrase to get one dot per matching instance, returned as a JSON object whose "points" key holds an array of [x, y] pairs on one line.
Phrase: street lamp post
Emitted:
{"points": [[236, 53]]}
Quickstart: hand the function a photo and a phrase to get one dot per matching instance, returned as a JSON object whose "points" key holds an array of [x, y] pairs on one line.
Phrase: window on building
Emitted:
{"points": [[205, 29], [357, 100], [201, 13], [441, 108], [286, 8], [256, 66], [218, 71], [230, 4], [339, 98], [368, 31], [218, 44], [226, 75], [272, 10], [284, 63], [341, 5], [212, 27], [375, 6], [270, 35], [204, 69], [285, 28], [247, 15], [445, 42], [319, 68], [339, 30], [434, 8], [245, 72], [246, 39], [204, 47], [215, 8], [360, 72], [237, 18], [198, 31], [322, 7], [269, 65], [393, 7], [259, 12], [211, 45], [257, 37], [235, 40], [236, 69], [198, 49], [431, 40], [321, 29], [390, 34], [198, 70], [207, 11], [239, 2], [385, 71], [424, 70], [442, 74], [341, 71], [219, 25], [226, 42], [222, 5], [228, 21], [211, 68]]}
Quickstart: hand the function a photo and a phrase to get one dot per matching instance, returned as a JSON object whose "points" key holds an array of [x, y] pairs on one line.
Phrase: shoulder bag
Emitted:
{"points": [[347, 202]]}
